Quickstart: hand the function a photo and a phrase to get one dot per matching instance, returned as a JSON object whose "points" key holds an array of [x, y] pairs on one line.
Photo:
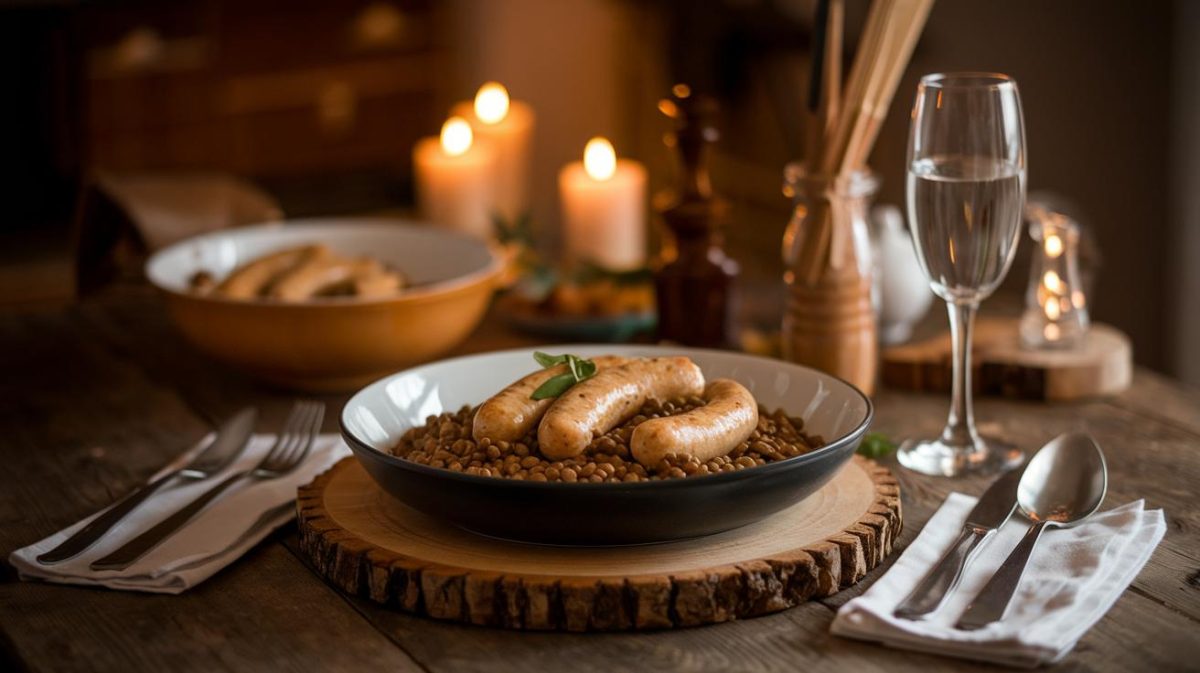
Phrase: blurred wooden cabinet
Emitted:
{"points": [[262, 88]]}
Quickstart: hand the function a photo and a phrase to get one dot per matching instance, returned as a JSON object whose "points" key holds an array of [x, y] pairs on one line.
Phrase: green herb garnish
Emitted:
{"points": [[876, 445], [578, 369]]}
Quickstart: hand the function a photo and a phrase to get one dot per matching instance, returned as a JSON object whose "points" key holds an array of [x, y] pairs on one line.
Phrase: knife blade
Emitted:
{"points": [[231, 439], [994, 508]]}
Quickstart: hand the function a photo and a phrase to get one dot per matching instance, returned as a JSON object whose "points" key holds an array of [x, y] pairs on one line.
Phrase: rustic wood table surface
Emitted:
{"points": [[97, 396]]}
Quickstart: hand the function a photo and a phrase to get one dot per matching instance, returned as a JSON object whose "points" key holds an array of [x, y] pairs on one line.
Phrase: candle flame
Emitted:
{"points": [[491, 103], [1054, 246], [599, 159], [1052, 281], [456, 136], [1052, 310]]}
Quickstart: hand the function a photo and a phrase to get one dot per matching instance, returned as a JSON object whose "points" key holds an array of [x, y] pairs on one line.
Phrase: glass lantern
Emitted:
{"points": [[1056, 315]]}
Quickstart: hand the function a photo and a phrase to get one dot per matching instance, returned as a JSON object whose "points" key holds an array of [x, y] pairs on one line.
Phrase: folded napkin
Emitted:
{"points": [[1073, 578], [226, 529]]}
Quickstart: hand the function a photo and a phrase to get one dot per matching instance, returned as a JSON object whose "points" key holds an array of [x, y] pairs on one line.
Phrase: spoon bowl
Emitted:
{"points": [[1065, 482]]}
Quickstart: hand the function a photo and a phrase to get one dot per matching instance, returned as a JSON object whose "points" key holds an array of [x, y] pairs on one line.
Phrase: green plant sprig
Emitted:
{"points": [[876, 445], [578, 369]]}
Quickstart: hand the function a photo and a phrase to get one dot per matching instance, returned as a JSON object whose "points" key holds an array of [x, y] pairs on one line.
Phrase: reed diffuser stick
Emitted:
{"points": [[890, 34], [825, 84], [911, 15], [825, 78], [829, 322]]}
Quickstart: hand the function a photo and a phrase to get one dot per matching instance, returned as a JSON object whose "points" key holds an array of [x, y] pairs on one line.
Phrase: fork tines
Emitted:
{"points": [[296, 439]]}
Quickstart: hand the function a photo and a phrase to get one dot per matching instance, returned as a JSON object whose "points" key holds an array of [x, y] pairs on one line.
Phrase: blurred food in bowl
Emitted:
{"points": [[301, 273], [309, 334]]}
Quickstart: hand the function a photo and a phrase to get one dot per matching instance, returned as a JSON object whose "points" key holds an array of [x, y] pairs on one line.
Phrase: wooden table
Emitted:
{"points": [[95, 397]]}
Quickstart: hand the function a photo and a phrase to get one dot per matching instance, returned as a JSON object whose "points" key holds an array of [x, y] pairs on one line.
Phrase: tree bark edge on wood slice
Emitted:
{"points": [[612, 603]]}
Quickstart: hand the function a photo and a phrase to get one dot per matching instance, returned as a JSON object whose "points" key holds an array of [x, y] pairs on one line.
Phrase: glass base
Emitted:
{"points": [[984, 456]]}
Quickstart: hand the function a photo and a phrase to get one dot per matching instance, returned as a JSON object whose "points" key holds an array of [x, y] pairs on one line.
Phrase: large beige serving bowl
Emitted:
{"points": [[334, 343]]}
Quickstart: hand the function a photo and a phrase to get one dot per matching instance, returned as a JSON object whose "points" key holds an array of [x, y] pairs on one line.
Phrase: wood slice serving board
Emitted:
{"points": [[1102, 365], [368, 544]]}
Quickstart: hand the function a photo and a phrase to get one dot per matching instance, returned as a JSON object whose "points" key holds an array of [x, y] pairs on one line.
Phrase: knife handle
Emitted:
{"points": [[929, 593], [136, 548], [992, 601], [95, 529]]}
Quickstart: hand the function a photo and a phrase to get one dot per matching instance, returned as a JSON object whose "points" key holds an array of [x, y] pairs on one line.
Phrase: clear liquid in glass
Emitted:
{"points": [[966, 216]]}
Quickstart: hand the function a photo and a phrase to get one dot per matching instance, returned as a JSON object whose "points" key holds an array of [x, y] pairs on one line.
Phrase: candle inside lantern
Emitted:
{"points": [[603, 208], [1056, 311], [454, 179], [506, 125]]}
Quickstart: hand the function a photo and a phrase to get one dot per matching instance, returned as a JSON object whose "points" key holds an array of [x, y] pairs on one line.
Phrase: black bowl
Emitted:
{"points": [[602, 514]]}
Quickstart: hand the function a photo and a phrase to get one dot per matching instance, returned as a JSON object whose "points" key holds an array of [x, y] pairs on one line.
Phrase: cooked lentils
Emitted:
{"points": [[445, 441]]}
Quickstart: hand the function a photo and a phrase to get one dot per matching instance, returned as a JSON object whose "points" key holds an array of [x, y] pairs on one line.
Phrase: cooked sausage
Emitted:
{"points": [[728, 417], [252, 279], [381, 283], [309, 278], [511, 413], [597, 405]]}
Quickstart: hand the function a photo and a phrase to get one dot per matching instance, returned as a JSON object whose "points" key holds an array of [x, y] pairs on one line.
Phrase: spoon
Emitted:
{"points": [[1063, 485]]}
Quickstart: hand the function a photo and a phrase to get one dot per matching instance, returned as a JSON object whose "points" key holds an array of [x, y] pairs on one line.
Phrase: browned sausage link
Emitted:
{"points": [[600, 403], [511, 413], [307, 279], [728, 417], [250, 280], [378, 283]]}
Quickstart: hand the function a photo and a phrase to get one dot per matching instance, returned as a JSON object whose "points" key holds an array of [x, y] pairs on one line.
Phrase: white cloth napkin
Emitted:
{"points": [[222, 532], [1073, 578]]}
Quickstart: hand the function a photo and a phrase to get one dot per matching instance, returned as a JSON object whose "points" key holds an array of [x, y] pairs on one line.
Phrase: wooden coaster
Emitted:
{"points": [[1103, 365], [368, 544]]}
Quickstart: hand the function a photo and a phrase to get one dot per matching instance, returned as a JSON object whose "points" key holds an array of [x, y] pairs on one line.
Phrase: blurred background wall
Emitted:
{"points": [[319, 103]]}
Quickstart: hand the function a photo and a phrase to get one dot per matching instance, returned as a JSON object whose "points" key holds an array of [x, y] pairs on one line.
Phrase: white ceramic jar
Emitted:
{"points": [[902, 294]]}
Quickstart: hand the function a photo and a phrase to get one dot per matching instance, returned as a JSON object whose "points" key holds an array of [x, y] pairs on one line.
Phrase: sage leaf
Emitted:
{"points": [[587, 369], [547, 360], [573, 365], [578, 369], [554, 386]]}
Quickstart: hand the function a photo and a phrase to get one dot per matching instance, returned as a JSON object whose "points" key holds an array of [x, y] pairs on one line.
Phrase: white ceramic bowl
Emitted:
{"points": [[625, 513], [334, 343]]}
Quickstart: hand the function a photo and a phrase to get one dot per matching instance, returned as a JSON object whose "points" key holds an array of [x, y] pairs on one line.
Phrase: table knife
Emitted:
{"points": [[231, 439], [995, 506]]}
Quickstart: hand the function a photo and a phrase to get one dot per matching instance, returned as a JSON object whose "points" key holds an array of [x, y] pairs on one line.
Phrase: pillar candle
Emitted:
{"points": [[604, 208], [454, 179], [507, 127]]}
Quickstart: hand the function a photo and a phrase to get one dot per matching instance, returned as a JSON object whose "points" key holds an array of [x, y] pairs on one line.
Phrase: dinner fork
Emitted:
{"points": [[290, 449]]}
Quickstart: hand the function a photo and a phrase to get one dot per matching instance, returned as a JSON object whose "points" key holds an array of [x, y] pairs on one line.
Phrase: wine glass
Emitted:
{"points": [[966, 192]]}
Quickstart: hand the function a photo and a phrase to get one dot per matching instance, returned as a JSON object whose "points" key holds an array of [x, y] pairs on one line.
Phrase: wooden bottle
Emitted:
{"points": [[694, 282]]}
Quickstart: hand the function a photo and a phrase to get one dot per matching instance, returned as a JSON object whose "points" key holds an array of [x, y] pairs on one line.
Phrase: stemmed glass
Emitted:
{"points": [[966, 192]]}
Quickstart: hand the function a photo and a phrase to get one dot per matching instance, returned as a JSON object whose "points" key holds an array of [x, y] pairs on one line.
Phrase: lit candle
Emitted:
{"points": [[507, 126], [454, 179], [604, 208]]}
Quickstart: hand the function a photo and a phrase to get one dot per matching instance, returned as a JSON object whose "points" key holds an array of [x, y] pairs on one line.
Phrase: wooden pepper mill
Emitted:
{"points": [[829, 322], [694, 283]]}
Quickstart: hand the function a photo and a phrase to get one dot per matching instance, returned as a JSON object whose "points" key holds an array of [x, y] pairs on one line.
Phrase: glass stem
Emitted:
{"points": [[960, 426]]}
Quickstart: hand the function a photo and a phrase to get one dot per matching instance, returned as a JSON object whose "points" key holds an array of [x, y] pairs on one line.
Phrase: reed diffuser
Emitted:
{"points": [[829, 322]]}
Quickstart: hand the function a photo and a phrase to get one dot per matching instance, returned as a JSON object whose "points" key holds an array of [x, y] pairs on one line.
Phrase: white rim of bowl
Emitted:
{"points": [[494, 267], [859, 430]]}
